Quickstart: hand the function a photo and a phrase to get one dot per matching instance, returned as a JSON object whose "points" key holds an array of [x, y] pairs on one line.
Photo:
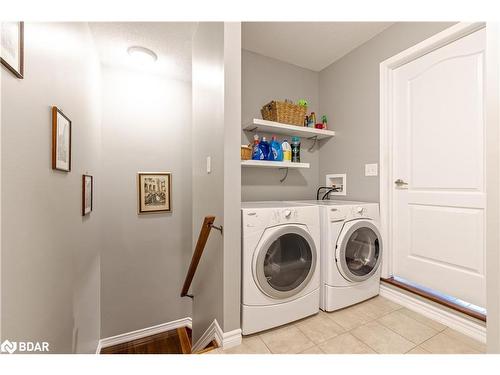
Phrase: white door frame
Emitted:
{"points": [[492, 134], [387, 125]]}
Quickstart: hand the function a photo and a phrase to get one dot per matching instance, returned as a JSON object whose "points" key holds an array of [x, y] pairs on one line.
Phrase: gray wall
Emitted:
{"points": [[50, 253], [208, 188], [216, 132], [349, 96], [265, 79], [147, 128]]}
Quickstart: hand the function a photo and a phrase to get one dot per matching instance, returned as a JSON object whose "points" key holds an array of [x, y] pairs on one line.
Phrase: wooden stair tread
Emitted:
{"points": [[213, 345], [184, 340]]}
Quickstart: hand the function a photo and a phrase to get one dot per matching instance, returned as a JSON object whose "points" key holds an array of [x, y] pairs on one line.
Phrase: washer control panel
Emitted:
{"points": [[265, 218], [285, 215]]}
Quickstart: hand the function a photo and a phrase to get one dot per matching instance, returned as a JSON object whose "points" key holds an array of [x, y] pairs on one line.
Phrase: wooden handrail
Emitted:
{"points": [[198, 251]]}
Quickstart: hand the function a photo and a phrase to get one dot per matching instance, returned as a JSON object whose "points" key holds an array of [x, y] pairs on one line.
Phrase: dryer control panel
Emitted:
{"points": [[341, 213]]}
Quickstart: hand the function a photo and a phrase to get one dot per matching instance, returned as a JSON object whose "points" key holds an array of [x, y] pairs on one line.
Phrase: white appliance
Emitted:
{"points": [[280, 264], [351, 252]]}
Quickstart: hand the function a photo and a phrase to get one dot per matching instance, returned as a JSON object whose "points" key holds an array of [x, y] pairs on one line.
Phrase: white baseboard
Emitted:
{"points": [[144, 332], [469, 327], [224, 340]]}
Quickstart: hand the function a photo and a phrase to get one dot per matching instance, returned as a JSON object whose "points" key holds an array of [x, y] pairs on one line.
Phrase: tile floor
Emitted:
{"points": [[374, 326]]}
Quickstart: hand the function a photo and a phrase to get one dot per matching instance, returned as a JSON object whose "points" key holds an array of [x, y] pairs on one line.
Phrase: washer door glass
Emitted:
{"points": [[360, 252], [286, 262]]}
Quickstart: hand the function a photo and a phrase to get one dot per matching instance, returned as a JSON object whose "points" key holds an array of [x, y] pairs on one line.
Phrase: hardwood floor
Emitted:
{"points": [[162, 343], [177, 341], [435, 298]]}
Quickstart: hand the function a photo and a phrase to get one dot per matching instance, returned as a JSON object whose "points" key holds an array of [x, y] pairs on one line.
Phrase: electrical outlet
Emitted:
{"points": [[371, 169]]}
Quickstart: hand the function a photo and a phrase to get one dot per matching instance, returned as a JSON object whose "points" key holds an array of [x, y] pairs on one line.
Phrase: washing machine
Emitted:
{"points": [[280, 264], [351, 252]]}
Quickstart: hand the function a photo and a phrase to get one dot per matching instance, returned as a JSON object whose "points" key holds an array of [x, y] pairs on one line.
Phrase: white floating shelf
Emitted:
{"points": [[273, 164], [265, 126]]}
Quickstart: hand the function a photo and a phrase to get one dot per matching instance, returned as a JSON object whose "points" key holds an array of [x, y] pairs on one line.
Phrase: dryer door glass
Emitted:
{"points": [[286, 264], [360, 253]]}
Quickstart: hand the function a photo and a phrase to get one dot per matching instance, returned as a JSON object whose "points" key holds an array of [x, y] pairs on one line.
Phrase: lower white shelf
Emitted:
{"points": [[273, 164]]}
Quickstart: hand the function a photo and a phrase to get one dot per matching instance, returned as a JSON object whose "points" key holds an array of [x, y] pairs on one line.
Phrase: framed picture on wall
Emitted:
{"points": [[12, 47], [87, 194], [154, 190], [61, 141]]}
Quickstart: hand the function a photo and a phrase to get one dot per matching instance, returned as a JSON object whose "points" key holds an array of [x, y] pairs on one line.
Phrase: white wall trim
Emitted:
{"points": [[433, 311], [387, 68], [144, 332], [225, 340]]}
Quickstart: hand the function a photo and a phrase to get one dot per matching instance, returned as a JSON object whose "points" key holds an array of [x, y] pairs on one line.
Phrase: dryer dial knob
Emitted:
{"points": [[288, 213], [359, 210]]}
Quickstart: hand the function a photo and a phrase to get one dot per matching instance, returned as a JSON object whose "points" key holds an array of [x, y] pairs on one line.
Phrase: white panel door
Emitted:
{"points": [[439, 202]]}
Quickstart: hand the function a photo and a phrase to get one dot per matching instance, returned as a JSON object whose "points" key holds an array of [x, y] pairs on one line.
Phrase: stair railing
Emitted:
{"points": [[208, 224]]}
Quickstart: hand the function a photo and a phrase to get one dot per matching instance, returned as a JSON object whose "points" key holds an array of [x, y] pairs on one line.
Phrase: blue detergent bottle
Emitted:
{"points": [[275, 151], [264, 148], [256, 151]]}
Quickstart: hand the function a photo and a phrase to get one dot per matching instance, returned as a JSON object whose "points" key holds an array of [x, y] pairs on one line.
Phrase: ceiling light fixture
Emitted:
{"points": [[142, 55]]}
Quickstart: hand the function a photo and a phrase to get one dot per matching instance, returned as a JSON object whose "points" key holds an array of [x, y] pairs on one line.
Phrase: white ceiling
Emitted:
{"points": [[171, 41], [311, 45]]}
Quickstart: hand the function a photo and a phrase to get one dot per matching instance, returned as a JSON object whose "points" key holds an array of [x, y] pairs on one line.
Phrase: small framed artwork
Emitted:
{"points": [[61, 141], [12, 47], [87, 194], [154, 192]]}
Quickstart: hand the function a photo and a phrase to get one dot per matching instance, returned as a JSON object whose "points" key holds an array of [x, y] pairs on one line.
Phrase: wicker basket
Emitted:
{"points": [[246, 152], [286, 113]]}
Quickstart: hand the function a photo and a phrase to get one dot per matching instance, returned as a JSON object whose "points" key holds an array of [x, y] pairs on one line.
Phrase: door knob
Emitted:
{"points": [[400, 182]]}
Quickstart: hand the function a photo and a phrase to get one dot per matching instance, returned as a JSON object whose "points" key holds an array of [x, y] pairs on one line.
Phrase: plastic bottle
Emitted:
{"points": [[264, 148], [295, 149], [310, 122], [324, 121], [287, 151], [256, 151], [313, 119], [275, 152]]}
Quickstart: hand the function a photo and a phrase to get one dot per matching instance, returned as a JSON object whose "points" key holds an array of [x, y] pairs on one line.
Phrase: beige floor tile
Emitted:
{"points": [[423, 319], [345, 344], [349, 318], [313, 350], [249, 345], [444, 344], [477, 345], [382, 339], [286, 340], [407, 327], [377, 307], [418, 350], [320, 328]]}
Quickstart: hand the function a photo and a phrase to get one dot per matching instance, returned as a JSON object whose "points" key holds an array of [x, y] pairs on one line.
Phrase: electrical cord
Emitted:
{"points": [[319, 189]]}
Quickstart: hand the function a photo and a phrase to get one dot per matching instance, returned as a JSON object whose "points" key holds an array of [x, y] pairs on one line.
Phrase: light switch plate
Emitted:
{"points": [[209, 164], [371, 169]]}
